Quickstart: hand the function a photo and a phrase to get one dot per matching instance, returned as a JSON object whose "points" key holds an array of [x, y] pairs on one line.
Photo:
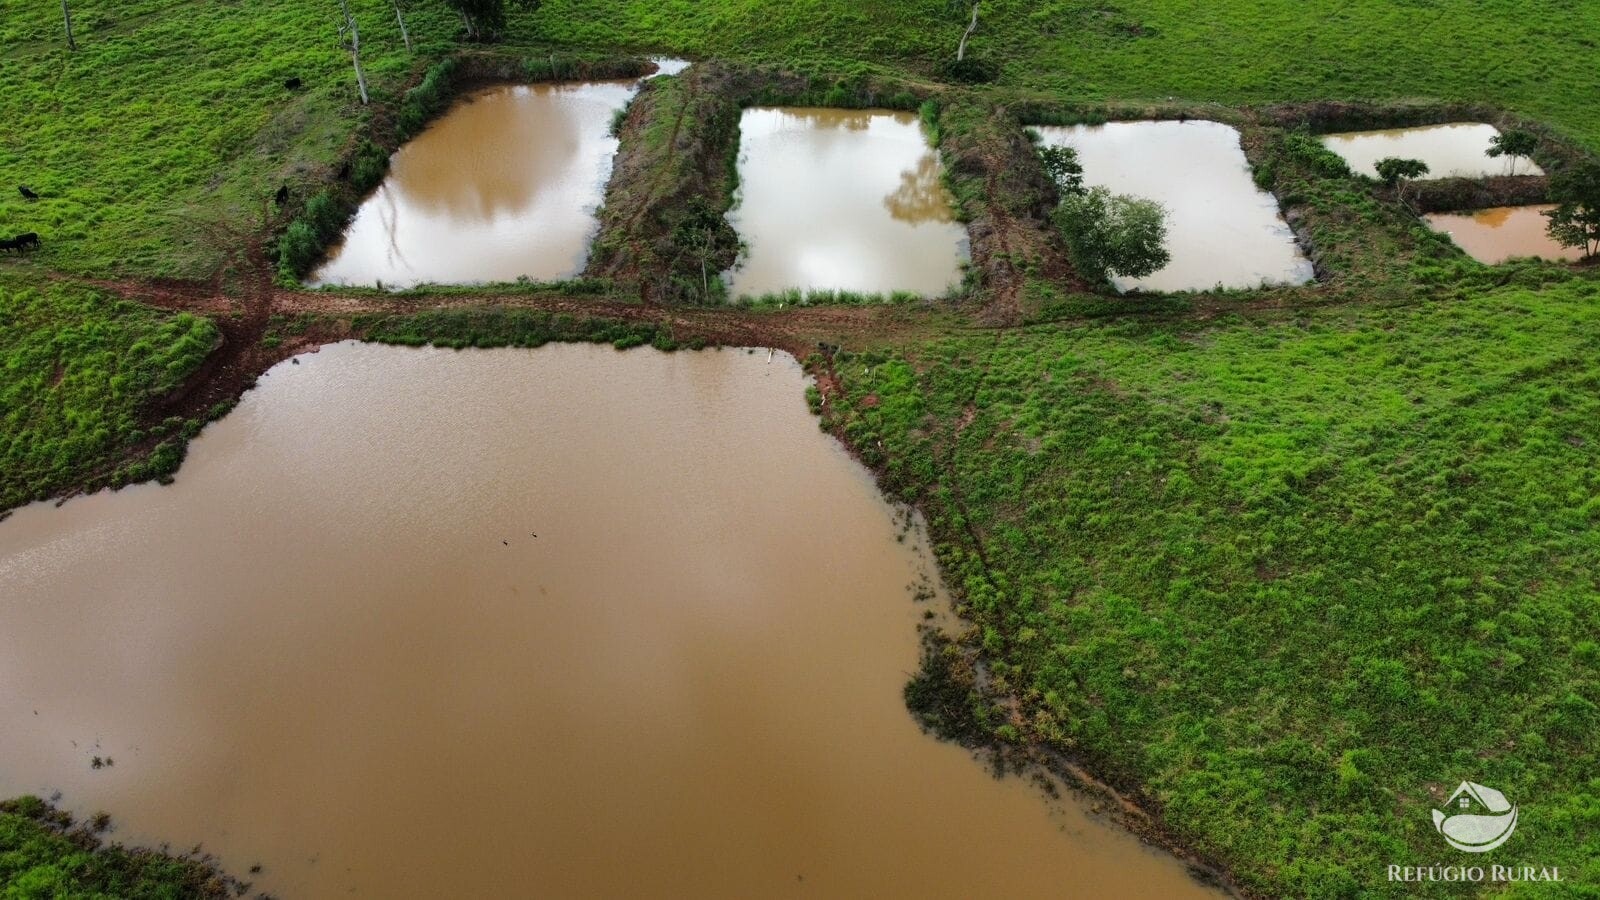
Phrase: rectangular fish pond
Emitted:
{"points": [[1500, 233], [842, 200], [1454, 150], [1222, 230], [504, 186]]}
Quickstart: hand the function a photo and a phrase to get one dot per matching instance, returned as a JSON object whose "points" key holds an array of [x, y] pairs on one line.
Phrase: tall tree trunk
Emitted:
{"points": [[961, 50], [401, 18], [355, 49], [66, 13]]}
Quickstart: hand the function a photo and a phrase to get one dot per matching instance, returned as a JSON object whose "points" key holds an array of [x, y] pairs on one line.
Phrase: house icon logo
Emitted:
{"points": [[1476, 819]]}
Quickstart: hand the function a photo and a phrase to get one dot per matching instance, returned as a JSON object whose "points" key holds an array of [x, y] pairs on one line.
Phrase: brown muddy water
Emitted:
{"points": [[1453, 150], [336, 649], [1222, 230], [842, 200], [1499, 233], [504, 186]]}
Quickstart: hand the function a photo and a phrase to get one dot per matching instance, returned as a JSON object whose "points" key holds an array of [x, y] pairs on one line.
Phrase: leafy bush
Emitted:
{"points": [[1113, 234]]}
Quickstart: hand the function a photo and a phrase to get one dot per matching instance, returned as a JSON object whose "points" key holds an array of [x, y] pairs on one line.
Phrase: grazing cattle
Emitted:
{"points": [[26, 192], [7, 244], [282, 196], [293, 84], [25, 241]]}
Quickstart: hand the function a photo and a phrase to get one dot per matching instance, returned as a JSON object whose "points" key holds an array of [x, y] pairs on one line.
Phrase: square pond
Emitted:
{"points": [[842, 200], [1222, 230]]}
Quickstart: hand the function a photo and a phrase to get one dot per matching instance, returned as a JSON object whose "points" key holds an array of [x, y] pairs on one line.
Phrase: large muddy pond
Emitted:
{"points": [[1222, 230], [336, 648], [842, 200], [1500, 233], [504, 186], [1454, 150]]}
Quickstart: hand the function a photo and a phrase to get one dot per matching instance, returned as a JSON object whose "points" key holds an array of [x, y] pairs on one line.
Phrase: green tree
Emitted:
{"points": [[1575, 222], [483, 19], [1395, 172], [1061, 164], [1513, 144], [1113, 234]]}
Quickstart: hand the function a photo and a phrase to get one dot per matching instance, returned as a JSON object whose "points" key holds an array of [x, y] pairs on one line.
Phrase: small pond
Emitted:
{"points": [[1455, 150], [1222, 230], [1500, 233], [504, 186], [842, 200], [566, 622]]}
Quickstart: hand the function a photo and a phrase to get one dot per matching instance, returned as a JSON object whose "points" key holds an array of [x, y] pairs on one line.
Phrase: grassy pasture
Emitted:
{"points": [[76, 370], [1536, 57], [1295, 577]]}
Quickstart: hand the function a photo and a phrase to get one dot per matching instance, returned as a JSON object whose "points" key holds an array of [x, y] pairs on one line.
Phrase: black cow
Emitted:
{"points": [[7, 244], [25, 241], [293, 84], [26, 192], [282, 196]]}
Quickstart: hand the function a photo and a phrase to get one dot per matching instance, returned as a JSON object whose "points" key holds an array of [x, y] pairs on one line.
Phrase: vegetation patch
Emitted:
{"points": [[78, 371], [43, 853], [513, 328]]}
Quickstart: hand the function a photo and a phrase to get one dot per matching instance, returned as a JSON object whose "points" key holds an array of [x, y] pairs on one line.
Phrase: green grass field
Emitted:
{"points": [[1296, 577], [1293, 572], [76, 368]]}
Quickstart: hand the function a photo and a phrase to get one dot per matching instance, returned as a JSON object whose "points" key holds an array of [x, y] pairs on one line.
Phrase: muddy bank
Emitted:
{"points": [[1455, 194], [1005, 197], [952, 698], [662, 224]]}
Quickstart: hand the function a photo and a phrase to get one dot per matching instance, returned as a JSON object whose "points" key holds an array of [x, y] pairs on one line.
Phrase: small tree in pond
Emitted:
{"points": [[1575, 222], [1061, 164], [1514, 144], [1395, 172], [1113, 234]]}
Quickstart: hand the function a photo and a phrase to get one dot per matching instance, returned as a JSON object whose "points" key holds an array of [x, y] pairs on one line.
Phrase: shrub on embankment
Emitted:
{"points": [[44, 853]]}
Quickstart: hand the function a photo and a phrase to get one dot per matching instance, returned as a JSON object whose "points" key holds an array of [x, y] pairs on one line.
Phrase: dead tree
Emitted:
{"points": [[354, 46], [401, 18], [961, 49], [66, 13]]}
